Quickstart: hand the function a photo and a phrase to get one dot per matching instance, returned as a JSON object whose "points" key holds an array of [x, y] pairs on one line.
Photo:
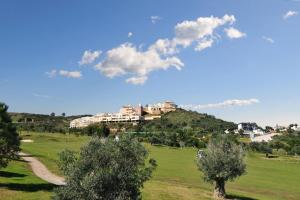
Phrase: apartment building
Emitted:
{"points": [[127, 113]]}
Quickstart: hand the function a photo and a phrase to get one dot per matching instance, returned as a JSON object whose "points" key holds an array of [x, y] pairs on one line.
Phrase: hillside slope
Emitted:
{"points": [[190, 120]]}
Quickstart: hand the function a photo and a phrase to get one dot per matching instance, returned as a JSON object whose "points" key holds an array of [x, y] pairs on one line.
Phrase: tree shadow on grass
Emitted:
{"points": [[11, 174], [29, 187], [237, 197]]}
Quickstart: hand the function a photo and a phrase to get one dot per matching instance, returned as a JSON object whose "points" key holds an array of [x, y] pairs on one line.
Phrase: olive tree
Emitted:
{"points": [[105, 169], [222, 161], [9, 138]]}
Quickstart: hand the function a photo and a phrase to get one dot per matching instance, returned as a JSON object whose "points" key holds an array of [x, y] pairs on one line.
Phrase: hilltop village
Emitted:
{"points": [[127, 113]]}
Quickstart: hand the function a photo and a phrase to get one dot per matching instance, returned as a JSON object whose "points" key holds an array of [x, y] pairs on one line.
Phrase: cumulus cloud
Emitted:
{"points": [[154, 19], [130, 34], [268, 39], [188, 32], [70, 74], [289, 14], [234, 33], [89, 57], [227, 103], [128, 60]]}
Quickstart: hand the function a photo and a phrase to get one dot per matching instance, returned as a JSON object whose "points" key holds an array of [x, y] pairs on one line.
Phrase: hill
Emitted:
{"points": [[183, 119]]}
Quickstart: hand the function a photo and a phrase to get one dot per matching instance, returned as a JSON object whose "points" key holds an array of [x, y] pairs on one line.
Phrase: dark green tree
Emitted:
{"points": [[222, 161], [9, 138], [105, 169]]}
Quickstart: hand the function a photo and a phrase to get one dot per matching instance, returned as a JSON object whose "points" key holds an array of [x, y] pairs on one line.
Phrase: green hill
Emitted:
{"points": [[183, 119]]}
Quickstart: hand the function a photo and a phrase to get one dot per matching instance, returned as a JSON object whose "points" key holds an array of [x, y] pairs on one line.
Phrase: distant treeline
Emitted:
{"points": [[42, 123]]}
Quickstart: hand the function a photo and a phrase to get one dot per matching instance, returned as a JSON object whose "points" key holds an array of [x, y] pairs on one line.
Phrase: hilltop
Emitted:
{"points": [[183, 119]]}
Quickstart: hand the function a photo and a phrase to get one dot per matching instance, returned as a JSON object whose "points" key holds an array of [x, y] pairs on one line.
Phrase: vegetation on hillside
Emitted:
{"points": [[190, 120], [42, 123]]}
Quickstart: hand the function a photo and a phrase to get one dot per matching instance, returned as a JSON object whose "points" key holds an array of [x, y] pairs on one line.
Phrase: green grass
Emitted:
{"points": [[17, 182], [177, 176], [46, 146]]}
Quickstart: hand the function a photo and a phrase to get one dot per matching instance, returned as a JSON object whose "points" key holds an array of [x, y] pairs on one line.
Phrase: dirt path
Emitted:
{"points": [[40, 170]]}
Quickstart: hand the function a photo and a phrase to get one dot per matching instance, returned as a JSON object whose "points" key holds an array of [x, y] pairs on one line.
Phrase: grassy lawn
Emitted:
{"points": [[17, 182], [177, 176]]}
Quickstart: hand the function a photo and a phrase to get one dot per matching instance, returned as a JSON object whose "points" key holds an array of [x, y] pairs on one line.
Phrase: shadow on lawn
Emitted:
{"points": [[236, 197], [11, 174], [29, 187]]}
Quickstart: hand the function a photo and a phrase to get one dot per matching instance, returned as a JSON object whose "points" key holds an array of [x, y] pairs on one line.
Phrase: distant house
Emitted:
{"points": [[247, 126], [295, 127], [250, 129]]}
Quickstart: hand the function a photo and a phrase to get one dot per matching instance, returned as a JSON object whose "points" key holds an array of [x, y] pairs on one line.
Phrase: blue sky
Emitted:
{"points": [[242, 64]]}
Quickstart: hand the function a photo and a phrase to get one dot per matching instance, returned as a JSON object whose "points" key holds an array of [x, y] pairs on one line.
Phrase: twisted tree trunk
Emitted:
{"points": [[219, 192]]}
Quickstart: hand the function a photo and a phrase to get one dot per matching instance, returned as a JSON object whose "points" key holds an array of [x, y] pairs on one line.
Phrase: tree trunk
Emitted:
{"points": [[219, 192]]}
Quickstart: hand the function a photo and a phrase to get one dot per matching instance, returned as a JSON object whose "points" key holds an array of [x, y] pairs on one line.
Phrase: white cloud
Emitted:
{"points": [[234, 33], [289, 14], [154, 19], [52, 73], [128, 60], [139, 80], [130, 34], [188, 32], [89, 57], [165, 47], [206, 43], [70, 74], [268, 39], [227, 103]]}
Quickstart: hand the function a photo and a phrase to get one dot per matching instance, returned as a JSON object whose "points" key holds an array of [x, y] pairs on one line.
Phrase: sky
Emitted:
{"points": [[236, 59]]}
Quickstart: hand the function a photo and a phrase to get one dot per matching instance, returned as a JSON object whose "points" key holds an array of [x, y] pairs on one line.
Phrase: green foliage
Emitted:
{"points": [[183, 119], [9, 138], [290, 142], [262, 147], [101, 130], [222, 161], [42, 123], [105, 169]]}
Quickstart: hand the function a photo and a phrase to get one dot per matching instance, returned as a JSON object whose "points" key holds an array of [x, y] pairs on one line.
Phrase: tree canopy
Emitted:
{"points": [[105, 169], [9, 138], [222, 161]]}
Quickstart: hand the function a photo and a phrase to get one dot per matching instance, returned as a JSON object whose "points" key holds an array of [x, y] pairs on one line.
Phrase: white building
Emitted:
{"points": [[295, 127], [127, 113], [104, 117]]}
